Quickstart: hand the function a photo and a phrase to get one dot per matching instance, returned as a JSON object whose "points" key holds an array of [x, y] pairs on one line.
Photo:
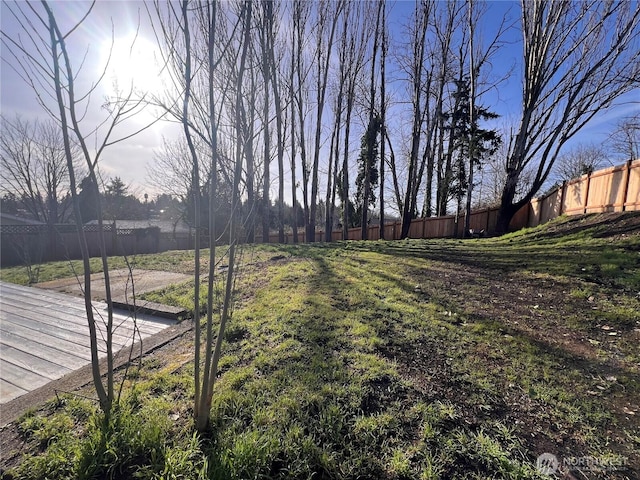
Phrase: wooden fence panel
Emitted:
{"points": [[392, 231], [492, 219], [535, 207], [519, 220], [479, 220], [632, 200], [606, 190], [439, 227], [551, 206], [575, 196], [416, 228]]}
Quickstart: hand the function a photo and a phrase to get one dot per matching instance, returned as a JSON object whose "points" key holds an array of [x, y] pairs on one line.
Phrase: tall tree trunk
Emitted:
{"points": [[472, 120], [292, 105], [202, 422], [371, 139], [383, 116], [322, 73], [277, 102], [331, 176], [266, 178], [345, 162], [418, 45], [248, 134], [300, 33]]}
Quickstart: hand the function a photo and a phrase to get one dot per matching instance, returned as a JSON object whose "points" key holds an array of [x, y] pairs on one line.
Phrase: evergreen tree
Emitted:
{"points": [[88, 197], [368, 160], [485, 142]]}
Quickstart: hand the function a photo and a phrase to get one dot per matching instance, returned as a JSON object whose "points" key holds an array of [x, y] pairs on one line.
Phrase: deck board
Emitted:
{"points": [[63, 358], [44, 335], [74, 313]]}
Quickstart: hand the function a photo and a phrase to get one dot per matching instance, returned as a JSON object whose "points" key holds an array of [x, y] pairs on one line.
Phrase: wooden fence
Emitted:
{"points": [[613, 189], [34, 244]]}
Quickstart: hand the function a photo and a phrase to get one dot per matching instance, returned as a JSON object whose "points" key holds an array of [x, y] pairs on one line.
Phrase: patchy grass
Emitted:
{"points": [[176, 261], [412, 359]]}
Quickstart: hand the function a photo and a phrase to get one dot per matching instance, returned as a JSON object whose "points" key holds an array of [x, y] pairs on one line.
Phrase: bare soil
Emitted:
{"points": [[121, 283]]}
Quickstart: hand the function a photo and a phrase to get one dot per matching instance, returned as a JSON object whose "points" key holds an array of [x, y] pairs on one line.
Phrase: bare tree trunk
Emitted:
{"points": [[292, 103], [323, 61], [266, 176], [277, 102], [472, 120], [331, 176], [195, 187], [352, 49], [299, 21], [249, 133], [418, 45], [383, 115], [202, 420], [103, 394], [371, 139]]}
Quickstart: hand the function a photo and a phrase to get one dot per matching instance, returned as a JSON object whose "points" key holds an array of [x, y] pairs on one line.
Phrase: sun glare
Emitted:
{"points": [[133, 64]]}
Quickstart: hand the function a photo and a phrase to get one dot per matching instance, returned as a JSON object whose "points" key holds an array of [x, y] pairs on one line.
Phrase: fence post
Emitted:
{"points": [[625, 183], [563, 196], [541, 202], [586, 194]]}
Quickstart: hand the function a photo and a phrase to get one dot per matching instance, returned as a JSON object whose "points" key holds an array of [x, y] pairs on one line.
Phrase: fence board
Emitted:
{"points": [[632, 200], [606, 190]]}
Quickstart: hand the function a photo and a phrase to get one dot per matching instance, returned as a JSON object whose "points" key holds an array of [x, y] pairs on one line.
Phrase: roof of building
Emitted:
{"points": [[166, 226], [7, 219]]}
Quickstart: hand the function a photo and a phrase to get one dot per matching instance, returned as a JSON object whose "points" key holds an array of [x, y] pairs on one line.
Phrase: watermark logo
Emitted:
{"points": [[549, 464]]}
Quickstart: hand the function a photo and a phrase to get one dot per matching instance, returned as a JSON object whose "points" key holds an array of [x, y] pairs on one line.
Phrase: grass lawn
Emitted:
{"points": [[411, 359]]}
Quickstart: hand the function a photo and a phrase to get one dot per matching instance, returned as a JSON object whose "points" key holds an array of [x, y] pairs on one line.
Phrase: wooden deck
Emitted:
{"points": [[44, 335]]}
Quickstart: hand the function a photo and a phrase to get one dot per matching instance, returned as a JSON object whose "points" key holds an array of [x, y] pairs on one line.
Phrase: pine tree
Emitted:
{"points": [[368, 160], [485, 142]]}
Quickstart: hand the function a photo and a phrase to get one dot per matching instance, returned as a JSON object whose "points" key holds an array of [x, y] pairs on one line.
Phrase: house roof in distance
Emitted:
{"points": [[7, 219], [165, 226]]}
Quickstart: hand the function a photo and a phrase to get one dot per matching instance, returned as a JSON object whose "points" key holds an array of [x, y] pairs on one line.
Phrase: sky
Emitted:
{"points": [[130, 158]]}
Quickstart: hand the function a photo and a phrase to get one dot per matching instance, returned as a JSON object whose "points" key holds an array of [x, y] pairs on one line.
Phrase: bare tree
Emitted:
{"points": [[197, 47], [440, 139], [625, 139], [327, 21], [46, 66], [479, 57], [383, 113], [276, 81], [418, 33], [299, 94], [171, 169], [578, 58], [579, 160], [352, 48], [34, 167], [372, 129]]}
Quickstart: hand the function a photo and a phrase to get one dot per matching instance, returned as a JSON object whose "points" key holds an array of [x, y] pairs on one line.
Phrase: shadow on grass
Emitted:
{"points": [[607, 265]]}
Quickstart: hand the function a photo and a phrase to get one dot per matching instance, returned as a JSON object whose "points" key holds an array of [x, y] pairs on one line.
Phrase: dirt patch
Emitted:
{"points": [[121, 283]]}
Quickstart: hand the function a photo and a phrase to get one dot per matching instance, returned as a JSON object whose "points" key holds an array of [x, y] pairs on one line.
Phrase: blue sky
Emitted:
{"points": [[129, 159]]}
